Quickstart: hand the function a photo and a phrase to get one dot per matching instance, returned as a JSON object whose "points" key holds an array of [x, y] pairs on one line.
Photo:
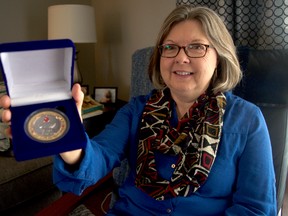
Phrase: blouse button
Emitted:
{"points": [[168, 210], [173, 166]]}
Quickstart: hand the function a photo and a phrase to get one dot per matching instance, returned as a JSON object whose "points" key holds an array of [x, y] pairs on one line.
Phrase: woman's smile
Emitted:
{"points": [[183, 73]]}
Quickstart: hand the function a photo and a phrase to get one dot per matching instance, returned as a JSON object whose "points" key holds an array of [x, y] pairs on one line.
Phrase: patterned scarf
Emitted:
{"points": [[195, 141]]}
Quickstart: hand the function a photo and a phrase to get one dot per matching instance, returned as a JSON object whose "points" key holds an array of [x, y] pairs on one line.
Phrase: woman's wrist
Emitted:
{"points": [[72, 157]]}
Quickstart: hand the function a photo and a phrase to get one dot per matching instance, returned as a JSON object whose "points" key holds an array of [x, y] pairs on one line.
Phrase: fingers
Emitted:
{"points": [[78, 96], [5, 101], [6, 116], [5, 104]]}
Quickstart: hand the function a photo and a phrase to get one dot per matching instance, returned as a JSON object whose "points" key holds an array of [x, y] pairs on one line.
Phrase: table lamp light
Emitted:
{"points": [[74, 22]]}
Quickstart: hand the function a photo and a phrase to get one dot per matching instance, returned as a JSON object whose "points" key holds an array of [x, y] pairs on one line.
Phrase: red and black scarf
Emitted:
{"points": [[195, 140]]}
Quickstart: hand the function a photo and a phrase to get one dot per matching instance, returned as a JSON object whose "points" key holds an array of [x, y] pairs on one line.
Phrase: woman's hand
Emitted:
{"points": [[73, 157], [78, 96], [5, 103]]}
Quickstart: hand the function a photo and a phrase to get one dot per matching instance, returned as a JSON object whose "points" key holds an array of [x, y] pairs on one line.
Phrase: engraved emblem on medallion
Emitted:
{"points": [[46, 125]]}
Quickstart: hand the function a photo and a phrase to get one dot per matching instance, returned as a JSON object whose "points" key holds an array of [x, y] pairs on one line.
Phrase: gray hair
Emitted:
{"points": [[228, 73]]}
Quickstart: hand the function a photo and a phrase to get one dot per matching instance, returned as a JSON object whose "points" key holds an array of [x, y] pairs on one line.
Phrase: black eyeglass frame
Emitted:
{"points": [[160, 48]]}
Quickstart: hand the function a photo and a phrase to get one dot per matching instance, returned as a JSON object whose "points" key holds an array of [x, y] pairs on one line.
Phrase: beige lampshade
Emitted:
{"points": [[75, 22]]}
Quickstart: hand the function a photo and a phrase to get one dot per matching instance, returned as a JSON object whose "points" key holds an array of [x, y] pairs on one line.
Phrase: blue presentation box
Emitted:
{"points": [[39, 76]]}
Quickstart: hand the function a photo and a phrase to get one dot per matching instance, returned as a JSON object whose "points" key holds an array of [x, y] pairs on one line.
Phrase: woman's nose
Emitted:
{"points": [[182, 57]]}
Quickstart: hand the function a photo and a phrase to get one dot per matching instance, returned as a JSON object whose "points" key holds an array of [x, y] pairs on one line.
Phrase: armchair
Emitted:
{"points": [[264, 84]]}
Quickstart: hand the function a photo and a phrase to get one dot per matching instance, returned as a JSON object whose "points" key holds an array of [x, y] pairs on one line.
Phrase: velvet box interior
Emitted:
{"points": [[39, 77]]}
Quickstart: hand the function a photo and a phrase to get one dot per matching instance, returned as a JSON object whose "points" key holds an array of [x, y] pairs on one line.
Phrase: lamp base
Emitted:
{"points": [[77, 78]]}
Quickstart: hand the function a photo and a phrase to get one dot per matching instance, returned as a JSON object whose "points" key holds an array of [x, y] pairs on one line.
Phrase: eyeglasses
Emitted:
{"points": [[191, 50]]}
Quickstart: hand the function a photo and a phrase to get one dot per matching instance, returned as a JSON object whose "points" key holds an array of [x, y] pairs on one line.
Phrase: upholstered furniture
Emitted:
{"points": [[26, 187], [264, 83]]}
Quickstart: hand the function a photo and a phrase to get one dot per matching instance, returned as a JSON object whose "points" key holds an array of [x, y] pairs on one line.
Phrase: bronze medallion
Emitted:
{"points": [[46, 125]]}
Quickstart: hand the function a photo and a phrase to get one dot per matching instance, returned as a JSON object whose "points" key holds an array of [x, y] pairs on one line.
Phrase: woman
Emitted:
{"points": [[193, 147]]}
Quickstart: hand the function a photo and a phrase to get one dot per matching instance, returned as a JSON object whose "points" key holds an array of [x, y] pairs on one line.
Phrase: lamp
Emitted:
{"points": [[75, 22]]}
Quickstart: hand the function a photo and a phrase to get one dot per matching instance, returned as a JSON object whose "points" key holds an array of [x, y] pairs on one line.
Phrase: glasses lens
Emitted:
{"points": [[169, 50], [191, 50], [196, 50]]}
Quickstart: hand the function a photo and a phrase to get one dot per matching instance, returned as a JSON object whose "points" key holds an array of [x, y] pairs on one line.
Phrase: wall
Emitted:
{"points": [[23, 20], [122, 27]]}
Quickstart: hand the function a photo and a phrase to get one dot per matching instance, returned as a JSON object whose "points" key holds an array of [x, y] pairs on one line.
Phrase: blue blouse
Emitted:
{"points": [[241, 181]]}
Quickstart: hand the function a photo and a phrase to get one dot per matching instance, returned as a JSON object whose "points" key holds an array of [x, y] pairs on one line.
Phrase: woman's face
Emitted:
{"points": [[188, 77]]}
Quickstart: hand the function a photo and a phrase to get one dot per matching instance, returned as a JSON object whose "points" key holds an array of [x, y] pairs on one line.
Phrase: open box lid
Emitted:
{"points": [[38, 71]]}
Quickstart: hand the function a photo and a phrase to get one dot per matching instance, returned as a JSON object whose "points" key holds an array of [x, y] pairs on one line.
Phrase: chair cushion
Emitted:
{"points": [[21, 181], [276, 117], [140, 82], [265, 75]]}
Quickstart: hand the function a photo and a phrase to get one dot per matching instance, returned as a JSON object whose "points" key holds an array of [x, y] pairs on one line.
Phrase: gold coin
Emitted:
{"points": [[46, 125]]}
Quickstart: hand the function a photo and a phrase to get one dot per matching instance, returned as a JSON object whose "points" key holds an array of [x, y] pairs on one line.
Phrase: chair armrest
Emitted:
{"points": [[69, 201]]}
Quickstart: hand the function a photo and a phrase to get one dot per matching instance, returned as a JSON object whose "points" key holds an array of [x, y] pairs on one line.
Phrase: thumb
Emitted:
{"points": [[78, 96]]}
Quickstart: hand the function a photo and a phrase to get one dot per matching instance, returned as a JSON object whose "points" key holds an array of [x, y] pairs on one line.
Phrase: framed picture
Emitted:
{"points": [[105, 94], [85, 89]]}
